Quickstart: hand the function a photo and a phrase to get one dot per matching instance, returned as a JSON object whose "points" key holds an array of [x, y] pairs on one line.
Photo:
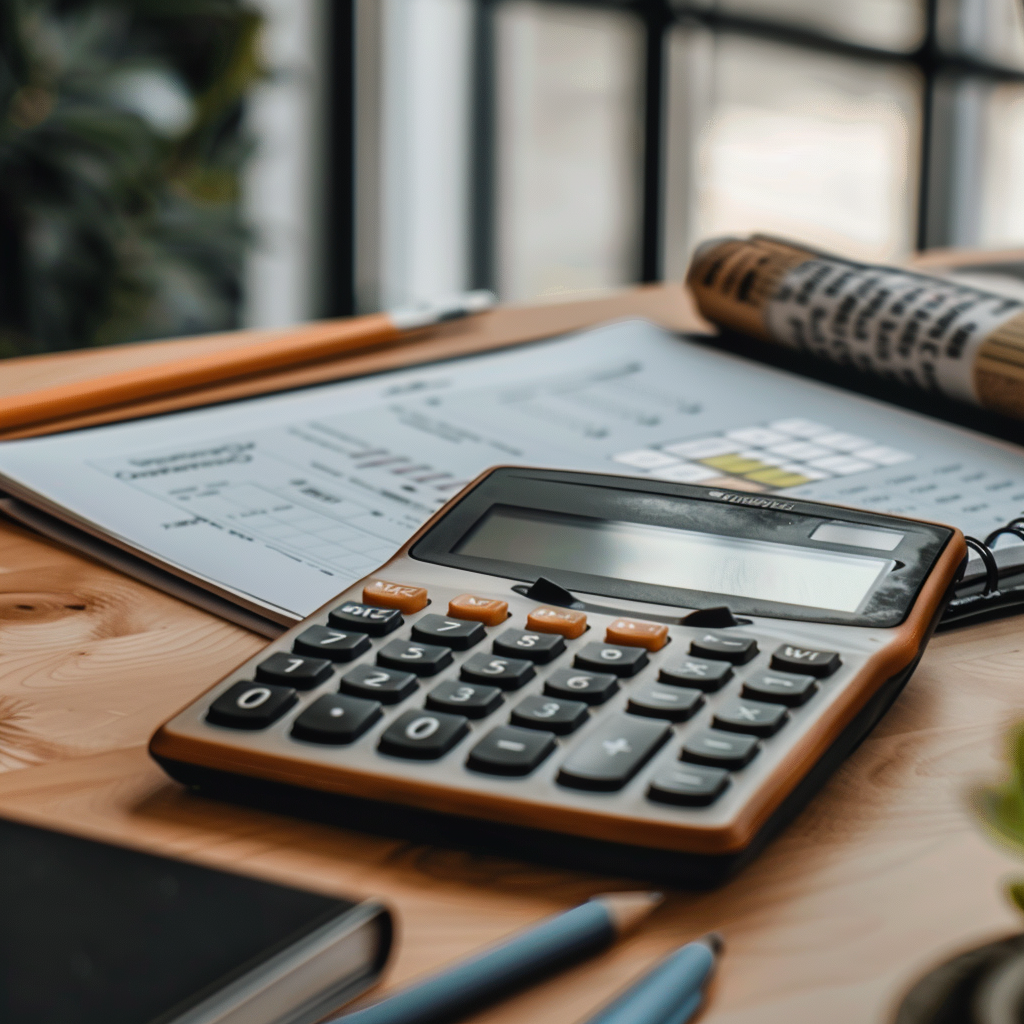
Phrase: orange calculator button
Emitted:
{"points": [[628, 633], [557, 620], [395, 595], [479, 609]]}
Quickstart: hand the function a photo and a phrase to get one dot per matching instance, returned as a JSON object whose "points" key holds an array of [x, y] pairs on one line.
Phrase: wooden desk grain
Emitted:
{"points": [[883, 875]]}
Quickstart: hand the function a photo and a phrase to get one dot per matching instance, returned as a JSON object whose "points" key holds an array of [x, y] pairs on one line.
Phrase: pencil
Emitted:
{"points": [[304, 346], [549, 946]]}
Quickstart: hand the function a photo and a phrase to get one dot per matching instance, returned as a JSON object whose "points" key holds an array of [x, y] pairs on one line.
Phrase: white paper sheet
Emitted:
{"points": [[281, 502]]}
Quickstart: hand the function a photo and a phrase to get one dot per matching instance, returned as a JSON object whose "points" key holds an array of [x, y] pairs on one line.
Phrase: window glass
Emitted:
{"points": [[771, 137], [1001, 220], [987, 30], [897, 25], [568, 148]]}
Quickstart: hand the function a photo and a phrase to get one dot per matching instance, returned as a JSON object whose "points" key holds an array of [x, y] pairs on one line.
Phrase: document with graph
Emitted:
{"points": [[277, 503]]}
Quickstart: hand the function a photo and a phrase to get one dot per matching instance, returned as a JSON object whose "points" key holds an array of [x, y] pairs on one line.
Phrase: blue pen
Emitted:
{"points": [[671, 992]]}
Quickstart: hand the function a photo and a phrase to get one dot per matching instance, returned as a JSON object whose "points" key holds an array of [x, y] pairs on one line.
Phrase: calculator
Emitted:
{"points": [[623, 675]]}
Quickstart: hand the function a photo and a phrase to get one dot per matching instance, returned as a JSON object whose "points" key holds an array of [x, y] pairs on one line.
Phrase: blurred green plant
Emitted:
{"points": [[1001, 808], [121, 147]]}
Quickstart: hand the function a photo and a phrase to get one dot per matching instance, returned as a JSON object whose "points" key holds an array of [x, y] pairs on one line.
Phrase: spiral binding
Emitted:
{"points": [[995, 596]]}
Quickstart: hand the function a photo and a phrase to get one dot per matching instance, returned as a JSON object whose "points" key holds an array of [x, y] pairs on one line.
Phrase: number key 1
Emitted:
{"points": [[293, 670]]}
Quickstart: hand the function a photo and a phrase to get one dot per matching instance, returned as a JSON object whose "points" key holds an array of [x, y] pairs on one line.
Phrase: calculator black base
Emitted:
{"points": [[680, 870]]}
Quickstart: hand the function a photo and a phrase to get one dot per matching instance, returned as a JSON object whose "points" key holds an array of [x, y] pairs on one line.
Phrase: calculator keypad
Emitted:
{"points": [[600, 714]]}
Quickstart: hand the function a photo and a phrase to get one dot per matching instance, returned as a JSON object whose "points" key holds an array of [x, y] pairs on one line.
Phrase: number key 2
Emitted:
{"points": [[293, 670], [331, 643], [384, 684]]}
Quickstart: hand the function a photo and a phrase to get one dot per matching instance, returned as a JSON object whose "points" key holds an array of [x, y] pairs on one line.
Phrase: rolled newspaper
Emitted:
{"points": [[923, 331]]}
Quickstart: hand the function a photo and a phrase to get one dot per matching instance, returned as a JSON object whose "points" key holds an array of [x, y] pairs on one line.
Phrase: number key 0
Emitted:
{"points": [[423, 735]]}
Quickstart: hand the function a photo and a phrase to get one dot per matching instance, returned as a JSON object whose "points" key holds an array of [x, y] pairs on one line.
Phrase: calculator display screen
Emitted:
{"points": [[678, 558]]}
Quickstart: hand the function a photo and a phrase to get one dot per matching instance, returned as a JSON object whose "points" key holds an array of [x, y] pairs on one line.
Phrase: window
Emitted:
{"points": [[553, 147]]}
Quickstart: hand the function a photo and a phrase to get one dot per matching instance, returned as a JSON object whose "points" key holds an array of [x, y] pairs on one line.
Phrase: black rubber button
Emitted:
{"points": [[790, 658], [589, 687], [613, 753], [621, 661], [697, 672], [780, 688], [251, 705], [508, 673], [539, 647], [387, 685], [423, 735], [458, 634], [469, 699], [336, 644], [422, 659], [366, 618], [725, 647], [507, 750], [720, 749], [655, 700], [691, 785], [558, 716], [752, 716], [336, 719], [294, 670]]}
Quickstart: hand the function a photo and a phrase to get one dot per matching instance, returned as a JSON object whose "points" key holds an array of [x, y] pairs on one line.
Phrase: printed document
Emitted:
{"points": [[281, 502]]}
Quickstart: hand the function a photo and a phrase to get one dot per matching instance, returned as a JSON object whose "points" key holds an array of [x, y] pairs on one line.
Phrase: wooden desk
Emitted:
{"points": [[884, 874]]}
